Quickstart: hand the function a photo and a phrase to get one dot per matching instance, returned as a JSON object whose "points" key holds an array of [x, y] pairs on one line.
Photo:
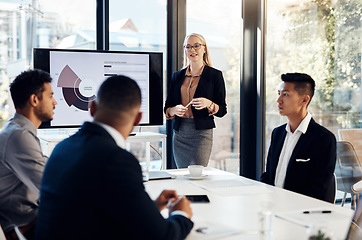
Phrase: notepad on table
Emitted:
{"points": [[158, 175]]}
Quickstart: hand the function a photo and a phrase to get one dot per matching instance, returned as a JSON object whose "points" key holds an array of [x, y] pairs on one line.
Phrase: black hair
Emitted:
{"points": [[119, 93], [304, 84], [26, 84]]}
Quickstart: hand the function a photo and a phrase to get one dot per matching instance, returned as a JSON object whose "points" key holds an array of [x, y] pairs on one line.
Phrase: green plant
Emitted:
{"points": [[319, 236]]}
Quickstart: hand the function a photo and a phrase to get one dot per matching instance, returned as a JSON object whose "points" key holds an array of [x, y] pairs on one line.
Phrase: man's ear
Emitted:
{"points": [[33, 100], [306, 99], [93, 108], [138, 119]]}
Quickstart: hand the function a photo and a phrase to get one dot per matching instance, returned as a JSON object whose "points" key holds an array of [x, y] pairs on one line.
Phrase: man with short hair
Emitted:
{"points": [[302, 153], [92, 187], [21, 159]]}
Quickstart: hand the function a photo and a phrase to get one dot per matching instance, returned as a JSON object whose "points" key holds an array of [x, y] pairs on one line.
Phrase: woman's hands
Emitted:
{"points": [[200, 103], [178, 110], [197, 103]]}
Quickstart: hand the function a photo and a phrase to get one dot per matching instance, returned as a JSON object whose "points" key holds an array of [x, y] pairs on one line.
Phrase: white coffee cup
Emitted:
{"points": [[195, 170]]}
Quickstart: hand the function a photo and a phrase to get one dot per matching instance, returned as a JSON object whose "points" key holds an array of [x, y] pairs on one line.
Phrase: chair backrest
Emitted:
{"points": [[332, 189], [357, 187], [348, 168], [355, 230], [354, 136]]}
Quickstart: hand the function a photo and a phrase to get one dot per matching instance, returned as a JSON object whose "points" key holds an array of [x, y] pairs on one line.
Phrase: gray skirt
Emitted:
{"points": [[191, 146]]}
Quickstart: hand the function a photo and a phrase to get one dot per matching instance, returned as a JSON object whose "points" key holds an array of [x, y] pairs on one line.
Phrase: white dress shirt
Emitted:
{"points": [[117, 136], [291, 139]]}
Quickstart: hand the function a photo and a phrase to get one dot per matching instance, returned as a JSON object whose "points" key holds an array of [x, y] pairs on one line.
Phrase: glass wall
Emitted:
{"points": [[140, 25], [220, 24], [322, 38], [26, 24]]}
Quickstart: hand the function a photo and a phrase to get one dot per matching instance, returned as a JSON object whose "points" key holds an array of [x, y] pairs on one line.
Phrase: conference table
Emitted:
{"points": [[239, 207]]}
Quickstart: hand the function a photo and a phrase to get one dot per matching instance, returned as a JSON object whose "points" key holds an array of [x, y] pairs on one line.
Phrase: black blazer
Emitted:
{"points": [[211, 86], [92, 189], [311, 177]]}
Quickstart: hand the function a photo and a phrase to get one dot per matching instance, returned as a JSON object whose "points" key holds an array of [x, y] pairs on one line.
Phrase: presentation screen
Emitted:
{"points": [[77, 75]]}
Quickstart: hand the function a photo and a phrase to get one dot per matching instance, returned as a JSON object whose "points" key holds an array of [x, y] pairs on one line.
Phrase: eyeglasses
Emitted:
{"points": [[197, 46]]}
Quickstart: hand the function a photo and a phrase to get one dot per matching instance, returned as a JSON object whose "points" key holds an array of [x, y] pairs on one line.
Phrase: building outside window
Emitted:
{"points": [[220, 23], [322, 38], [140, 26], [27, 24]]}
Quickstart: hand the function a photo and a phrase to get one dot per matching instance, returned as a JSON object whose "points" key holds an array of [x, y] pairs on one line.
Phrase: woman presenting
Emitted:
{"points": [[196, 94]]}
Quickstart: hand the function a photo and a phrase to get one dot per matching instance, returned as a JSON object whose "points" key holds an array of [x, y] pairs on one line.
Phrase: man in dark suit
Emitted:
{"points": [[302, 153], [92, 188]]}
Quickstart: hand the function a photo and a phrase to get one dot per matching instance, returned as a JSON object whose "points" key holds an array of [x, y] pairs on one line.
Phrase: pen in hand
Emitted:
{"points": [[188, 104], [317, 211], [174, 201]]}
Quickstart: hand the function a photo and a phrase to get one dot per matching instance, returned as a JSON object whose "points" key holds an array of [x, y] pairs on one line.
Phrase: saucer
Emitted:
{"points": [[195, 178]]}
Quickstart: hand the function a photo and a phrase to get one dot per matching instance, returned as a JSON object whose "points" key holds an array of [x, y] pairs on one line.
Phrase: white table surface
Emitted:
{"points": [[235, 202]]}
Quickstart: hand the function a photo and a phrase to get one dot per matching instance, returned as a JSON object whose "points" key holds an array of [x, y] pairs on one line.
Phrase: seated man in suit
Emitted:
{"points": [[21, 159], [92, 188], [302, 153]]}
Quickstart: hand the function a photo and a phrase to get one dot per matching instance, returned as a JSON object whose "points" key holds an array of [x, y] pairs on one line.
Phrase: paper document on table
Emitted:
{"points": [[232, 187], [204, 230], [224, 183], [316, 215], [238, 191]]}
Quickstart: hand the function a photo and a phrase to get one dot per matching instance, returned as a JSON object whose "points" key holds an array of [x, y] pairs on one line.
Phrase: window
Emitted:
{"points": [[140, 25], [220, 24], [25, 25], [323, 39]]}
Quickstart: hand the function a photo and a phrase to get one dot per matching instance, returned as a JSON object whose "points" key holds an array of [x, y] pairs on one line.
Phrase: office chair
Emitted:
{"points": [[355, 229], [357, 187], [354, 136], [348, 171]]}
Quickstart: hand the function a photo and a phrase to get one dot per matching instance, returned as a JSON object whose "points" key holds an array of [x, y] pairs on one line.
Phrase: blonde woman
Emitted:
{"points": [[196, 94]]}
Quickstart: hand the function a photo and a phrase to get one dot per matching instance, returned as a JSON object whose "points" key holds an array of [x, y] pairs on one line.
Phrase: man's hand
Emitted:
{"points": [[165, 196], [180, 204]]}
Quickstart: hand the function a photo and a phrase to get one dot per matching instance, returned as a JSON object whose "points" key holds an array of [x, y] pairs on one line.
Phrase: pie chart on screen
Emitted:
{"points": [[77, 92]]}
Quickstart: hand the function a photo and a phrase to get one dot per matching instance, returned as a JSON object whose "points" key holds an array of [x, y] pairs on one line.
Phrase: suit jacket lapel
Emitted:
{"points": [[278, 148], [180, 79]]}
